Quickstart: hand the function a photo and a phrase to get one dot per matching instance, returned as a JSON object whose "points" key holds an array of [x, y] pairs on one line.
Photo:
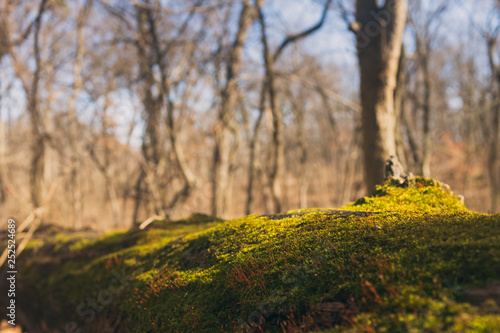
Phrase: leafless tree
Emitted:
{"points": [[490, 32], [75, 178], [152, 109], [224, 150], [425, 22], [31, 81], [492, 44], [269, 89]]}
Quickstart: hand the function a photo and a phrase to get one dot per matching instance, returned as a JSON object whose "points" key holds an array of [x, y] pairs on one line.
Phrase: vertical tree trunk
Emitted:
{"points": [[75, 181], [138, 196], [254, 146], [151, 145], [408, 122], [399, 107], [104, 168], [351, 161], [38, 146], [379, 32], [277, 152], [303, 183], [268, 88], [3, 153], [188, 177], [423, 55], [493, 159], [4, 49], [495, 123], [269, 61], [5, 10], [225, 119]]}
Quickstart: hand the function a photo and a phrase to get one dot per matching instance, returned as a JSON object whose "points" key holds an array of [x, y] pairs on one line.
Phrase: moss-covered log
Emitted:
{"points": [[310, 270]]}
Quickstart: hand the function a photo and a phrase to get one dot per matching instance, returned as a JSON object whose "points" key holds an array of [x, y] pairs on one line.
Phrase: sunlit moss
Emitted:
{"points": [[402, 270], [416, 194]]}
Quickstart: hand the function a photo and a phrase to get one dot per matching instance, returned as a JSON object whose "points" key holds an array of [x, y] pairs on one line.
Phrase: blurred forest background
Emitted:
{"points": [[115, 111]]}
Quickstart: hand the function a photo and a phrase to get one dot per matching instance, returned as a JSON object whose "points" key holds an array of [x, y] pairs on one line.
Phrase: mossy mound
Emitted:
{"points": [[415, 194], [314, 272]]}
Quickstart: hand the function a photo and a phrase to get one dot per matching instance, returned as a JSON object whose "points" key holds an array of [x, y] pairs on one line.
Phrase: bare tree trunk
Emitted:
{"points": [[3, 141], [337, 160], [5, 10], [399, 107], [423, 55], [412, 141], [379, 32], [187, 176], [303, 183], [471, 145], [495, 123], [138, 196], [75, 181], [104, 168], [493, 160], [225, 120], [352, 158], [4, 49], [264, 181], [277, 153], [109, 179], [269, 60], [151, 145], [3, 153], [113, 200], [254, 147], [109, 184], [422, 22], [38, 147]]}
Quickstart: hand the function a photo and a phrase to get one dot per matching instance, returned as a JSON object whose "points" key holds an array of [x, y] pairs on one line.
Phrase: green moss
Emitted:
{"points": [[416, 194], [407, 276], [33, 244]]}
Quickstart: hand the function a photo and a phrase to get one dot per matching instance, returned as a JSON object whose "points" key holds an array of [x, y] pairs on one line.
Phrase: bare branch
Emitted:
{"points": [[293, 38]]}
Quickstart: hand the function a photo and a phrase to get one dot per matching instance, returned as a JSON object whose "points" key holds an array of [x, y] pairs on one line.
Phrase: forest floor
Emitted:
{"points": [[412, 259]]}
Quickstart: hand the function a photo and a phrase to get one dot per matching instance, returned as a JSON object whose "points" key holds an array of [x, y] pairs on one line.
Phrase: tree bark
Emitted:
{"points": [[225, 118], [495, 125], [408, 122], [379, 34], [188, 177], [138, 196], [423, 55], [5, 11], [302, 149], [104, 167], [399, 104], [30, 82], [151, 145], [351, 161], [75, 181], [269, 61], [5, 38], [38, 147], [254, 147], [277, 153]]}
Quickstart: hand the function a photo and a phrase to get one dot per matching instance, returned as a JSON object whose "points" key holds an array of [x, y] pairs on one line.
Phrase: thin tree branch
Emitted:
{"points": [[292, 38]]}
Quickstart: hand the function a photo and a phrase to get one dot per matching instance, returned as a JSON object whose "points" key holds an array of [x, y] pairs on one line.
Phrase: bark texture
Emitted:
{"points": [[495, 125], [379, 34], [38, 146]]}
